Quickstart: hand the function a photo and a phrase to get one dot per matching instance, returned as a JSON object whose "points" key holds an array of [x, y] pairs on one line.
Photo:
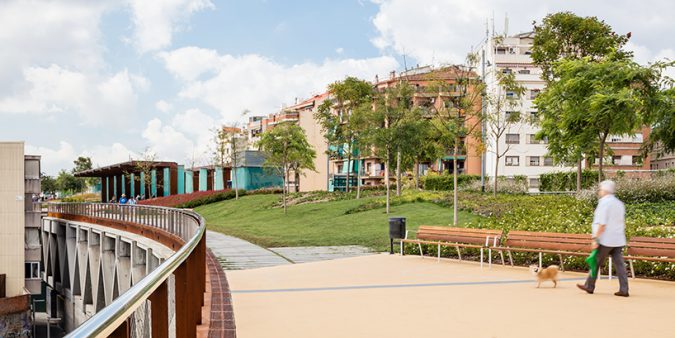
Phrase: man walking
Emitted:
{"points": [[609, 236]]}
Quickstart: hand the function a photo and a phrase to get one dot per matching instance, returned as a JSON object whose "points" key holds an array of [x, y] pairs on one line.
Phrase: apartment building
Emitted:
{"points": [[20, 248], [525, 155]]}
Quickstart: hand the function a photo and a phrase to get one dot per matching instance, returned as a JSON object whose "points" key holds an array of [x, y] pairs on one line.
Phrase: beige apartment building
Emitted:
{"points": [[20, 249]]}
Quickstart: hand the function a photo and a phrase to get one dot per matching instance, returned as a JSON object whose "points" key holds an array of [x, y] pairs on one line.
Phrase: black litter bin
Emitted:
{"points": [[396, 230]]}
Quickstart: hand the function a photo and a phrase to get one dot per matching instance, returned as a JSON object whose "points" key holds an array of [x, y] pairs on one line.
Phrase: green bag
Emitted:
{"points": [[593, 263]]}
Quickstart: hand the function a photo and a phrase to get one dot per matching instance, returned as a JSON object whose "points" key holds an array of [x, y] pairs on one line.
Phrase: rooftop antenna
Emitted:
{"points": [[506, 24]]}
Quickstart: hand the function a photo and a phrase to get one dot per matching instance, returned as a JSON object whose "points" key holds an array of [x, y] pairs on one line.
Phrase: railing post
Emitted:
{"points": [[122, 331], [184, 312], [159, 303]]}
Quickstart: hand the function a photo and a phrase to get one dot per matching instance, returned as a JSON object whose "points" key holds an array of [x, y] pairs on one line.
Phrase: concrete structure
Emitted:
{"points": [[251, 173], [625, 152], [394, 296], [526, 156], [665, 161], [20, 259]]}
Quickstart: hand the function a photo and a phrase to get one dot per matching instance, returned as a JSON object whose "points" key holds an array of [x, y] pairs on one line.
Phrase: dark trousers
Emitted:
{"points": [[619, 265]]}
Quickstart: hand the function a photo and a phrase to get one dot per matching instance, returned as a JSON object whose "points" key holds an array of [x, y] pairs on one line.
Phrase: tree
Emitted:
{"points": [[144, 165], [229, 143], [566, 35], [48, 184], [286, 149], [504, 99], [661, 113], [83, 163], [597, 98], [561, 36], [390, 108], [459, 116], [342, 120], [66, 182]]}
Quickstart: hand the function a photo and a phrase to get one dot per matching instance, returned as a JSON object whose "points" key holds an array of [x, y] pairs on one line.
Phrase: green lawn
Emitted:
{"points": [[317, 224]]}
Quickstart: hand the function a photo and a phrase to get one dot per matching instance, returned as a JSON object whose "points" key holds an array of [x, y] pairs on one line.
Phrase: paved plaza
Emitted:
{"points": [[393, 296]]}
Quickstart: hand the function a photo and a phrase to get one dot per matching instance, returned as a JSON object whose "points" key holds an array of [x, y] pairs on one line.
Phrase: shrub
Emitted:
{"points": [[445, 181], [567, 181], [515, 185]]}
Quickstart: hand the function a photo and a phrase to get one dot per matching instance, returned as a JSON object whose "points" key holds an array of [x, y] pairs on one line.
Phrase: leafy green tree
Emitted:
{"points": [[66, 182], [83, 163], [460, 116], [287, 149], [661, 114], [343, 120], [48, 184], [389, 121], [565, 35], [592, 99]]}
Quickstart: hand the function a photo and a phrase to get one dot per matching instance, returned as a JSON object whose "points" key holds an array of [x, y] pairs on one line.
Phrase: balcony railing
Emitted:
{"points": [[187, 264]]}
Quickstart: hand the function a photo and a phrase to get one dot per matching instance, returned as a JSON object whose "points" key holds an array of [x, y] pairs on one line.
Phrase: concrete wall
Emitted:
{"points": [[252, 178], [12, 220], [314, 180]]}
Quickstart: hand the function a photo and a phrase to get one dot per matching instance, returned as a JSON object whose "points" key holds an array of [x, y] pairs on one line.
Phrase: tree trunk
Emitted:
{"points": [[494, 190], [235, 185], [602, 155], [454, 181], [398, 173], [358, 177], [297, 180], [579, 173], [386, 178], [285, 189], [349, 162], [417, 175]]}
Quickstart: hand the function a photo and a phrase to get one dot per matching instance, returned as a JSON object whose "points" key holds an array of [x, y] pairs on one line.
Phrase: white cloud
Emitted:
{"points": [[232, 84], [443, 31], [156, 21], [55, 159], [163, 106], [339, 50], [95, 99]]}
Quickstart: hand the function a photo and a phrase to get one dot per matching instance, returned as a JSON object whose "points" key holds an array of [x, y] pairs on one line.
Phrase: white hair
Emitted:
{"points": [[608, 186]]}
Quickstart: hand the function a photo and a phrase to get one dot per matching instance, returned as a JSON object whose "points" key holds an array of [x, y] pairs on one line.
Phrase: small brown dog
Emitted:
{"points": [[550, 273]]}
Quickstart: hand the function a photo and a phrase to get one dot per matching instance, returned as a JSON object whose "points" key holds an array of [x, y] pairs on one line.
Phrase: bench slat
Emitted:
{"points": [[640, 239], [549, 240], [652, 252]]}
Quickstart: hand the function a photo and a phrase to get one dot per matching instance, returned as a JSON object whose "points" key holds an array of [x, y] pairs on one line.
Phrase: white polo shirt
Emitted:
{"points": [[612, 213]]}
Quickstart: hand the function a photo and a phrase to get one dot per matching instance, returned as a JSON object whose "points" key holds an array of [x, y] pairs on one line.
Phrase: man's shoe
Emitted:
{"points": [[621, 294], [583, 287]]}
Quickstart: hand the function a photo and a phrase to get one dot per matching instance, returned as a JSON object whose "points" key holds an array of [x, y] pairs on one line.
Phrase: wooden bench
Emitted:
{"points": [[650, 249], [561, 244], [457, 237]]}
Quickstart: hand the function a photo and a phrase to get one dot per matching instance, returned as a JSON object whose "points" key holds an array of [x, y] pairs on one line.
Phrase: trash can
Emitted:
{"points": [[396, 230]]}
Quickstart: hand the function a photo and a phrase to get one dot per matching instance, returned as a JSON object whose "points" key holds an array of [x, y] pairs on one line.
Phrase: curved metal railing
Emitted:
{"points": [[187, 225]]}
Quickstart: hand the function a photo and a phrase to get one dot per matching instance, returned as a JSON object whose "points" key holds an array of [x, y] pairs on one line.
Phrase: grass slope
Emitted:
{"points": [[317, 224]]}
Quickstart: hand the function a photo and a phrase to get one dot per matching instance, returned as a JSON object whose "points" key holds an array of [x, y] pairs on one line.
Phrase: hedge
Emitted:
{"points": [[445, 181], [567, 181]]}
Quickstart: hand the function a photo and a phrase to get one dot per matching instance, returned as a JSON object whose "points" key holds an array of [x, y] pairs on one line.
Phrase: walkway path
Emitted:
{"points": [[237, 254], [394, 296]]}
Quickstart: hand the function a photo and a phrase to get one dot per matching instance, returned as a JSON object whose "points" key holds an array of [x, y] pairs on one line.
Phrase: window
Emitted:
{"points": [[534, 183], [534, 93], [636, 160], [512, 116], [512, 138], [507, 71], [534, 161], [548, 161], [524, 71], [615, 139], [616, 160], [32, 270], [510, 94], [512, 161], [534, 117], [532, 139], [501, 50]]}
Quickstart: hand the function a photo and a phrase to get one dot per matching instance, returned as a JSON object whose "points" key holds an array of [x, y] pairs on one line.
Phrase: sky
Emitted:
{"points": [[112, 79]]}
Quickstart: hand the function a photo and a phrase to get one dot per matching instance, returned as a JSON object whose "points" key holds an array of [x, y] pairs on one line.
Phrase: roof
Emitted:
{"points": [[529, 34], [123, 168]]}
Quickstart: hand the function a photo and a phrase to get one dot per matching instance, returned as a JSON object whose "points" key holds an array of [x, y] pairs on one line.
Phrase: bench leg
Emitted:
{"points": [[439, 252], [481, 257], [562, 263], [402, 248], [459, 253], [540, 259], [632, 271], [610, 269], [490, 258], [501, 254], [419, 245], [510, 257]]}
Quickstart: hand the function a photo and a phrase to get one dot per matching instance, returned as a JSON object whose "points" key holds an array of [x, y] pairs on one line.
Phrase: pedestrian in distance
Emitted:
{"points": [[123, 199], [609, 236]]}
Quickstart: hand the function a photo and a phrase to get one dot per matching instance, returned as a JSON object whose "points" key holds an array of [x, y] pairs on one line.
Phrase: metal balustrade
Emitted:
{"points": [[187, 265]]}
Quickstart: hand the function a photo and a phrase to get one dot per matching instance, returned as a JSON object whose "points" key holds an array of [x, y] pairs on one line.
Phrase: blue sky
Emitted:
{"points": [[108, 79]]}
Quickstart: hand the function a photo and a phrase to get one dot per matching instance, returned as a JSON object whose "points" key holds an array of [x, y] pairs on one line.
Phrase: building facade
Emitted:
{"points": [[523, 154]]}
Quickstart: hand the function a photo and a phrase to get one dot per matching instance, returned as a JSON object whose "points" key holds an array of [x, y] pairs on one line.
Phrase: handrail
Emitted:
{"points": [[104, 322]]}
